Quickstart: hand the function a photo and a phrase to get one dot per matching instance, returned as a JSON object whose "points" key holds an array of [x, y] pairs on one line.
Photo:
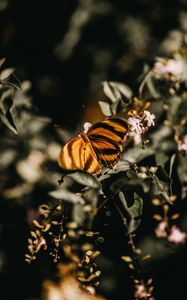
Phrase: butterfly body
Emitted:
{"points": [[96, 148]]}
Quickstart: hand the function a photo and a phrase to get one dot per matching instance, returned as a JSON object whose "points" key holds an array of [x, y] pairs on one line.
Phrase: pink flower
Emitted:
{"points": [[170, 66], [136, 125], [183, 146], [176, 236], [160, 230], [141, 292], [149, 118]]}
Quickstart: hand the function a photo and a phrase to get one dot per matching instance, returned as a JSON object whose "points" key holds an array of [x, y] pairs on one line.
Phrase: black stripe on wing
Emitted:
{"points": [[108, 160], [101, 126], [121, 122], [99, 137], [107, 152]]}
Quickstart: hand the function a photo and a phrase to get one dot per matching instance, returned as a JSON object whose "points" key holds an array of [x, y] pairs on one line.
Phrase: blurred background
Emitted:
{"points": [[67, 49]]}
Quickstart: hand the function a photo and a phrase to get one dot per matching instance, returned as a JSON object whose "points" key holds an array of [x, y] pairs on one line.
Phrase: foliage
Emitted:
{"points": [[141, 199]]}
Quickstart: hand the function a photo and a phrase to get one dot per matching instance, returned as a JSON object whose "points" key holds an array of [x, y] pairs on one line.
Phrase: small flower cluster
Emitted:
{"points": [[169, 68], [138, 124], [142, 289], [37, 240], [174, 234], [163, 230]]}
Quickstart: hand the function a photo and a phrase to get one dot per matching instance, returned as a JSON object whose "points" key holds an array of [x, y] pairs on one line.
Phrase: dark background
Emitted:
{"points": [[112, 41], [65, 76]]}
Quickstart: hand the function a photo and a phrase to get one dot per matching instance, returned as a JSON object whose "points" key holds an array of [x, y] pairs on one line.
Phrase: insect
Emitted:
{"points": [[100, 146]]}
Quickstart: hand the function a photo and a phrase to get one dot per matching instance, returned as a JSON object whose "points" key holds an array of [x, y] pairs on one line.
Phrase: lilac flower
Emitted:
{"points": [[170, 66], [177, 236], [183, 146], [141, 292], [160, 230], [136, 137], [136, 125], [149, 118]]}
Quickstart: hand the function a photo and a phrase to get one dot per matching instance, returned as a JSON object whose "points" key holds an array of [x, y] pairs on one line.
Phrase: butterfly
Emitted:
{"points": [[100, 146]]}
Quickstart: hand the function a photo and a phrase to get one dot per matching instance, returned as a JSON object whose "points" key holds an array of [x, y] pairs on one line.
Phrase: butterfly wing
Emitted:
{"points": [[105, 138], [108, 152], [112, 128], [79, 155]]}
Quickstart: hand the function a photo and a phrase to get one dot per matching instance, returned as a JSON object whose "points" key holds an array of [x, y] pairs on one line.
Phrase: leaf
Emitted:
{"points": [[136, 208], [86, 179], [6, 108], [9, 123], [2, 60], [116, 91], [109, 92], [105, 108], [172, 160], [162, 174], [136, 214], [67, 196], [117, 106], [151, 86], [134, 211], [6, 73], [174, 105], [122, 88], [145, 76]]}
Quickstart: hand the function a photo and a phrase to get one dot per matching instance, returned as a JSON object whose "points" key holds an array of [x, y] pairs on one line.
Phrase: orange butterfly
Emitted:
{"points": [[99, 146]]}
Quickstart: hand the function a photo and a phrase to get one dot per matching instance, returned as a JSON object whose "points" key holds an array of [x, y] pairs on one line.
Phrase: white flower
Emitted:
{"points": [[86, 126], [135, 124], [177, 236], [149, 118]]}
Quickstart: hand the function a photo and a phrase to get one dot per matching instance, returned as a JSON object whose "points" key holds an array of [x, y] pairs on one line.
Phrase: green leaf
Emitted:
{"points": [[110, 92], [67, 196], [116, 90], [86, 179], [162, 174], [122, 88], [136, 214], [6, 73], [174, 105], [105, 108]]}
